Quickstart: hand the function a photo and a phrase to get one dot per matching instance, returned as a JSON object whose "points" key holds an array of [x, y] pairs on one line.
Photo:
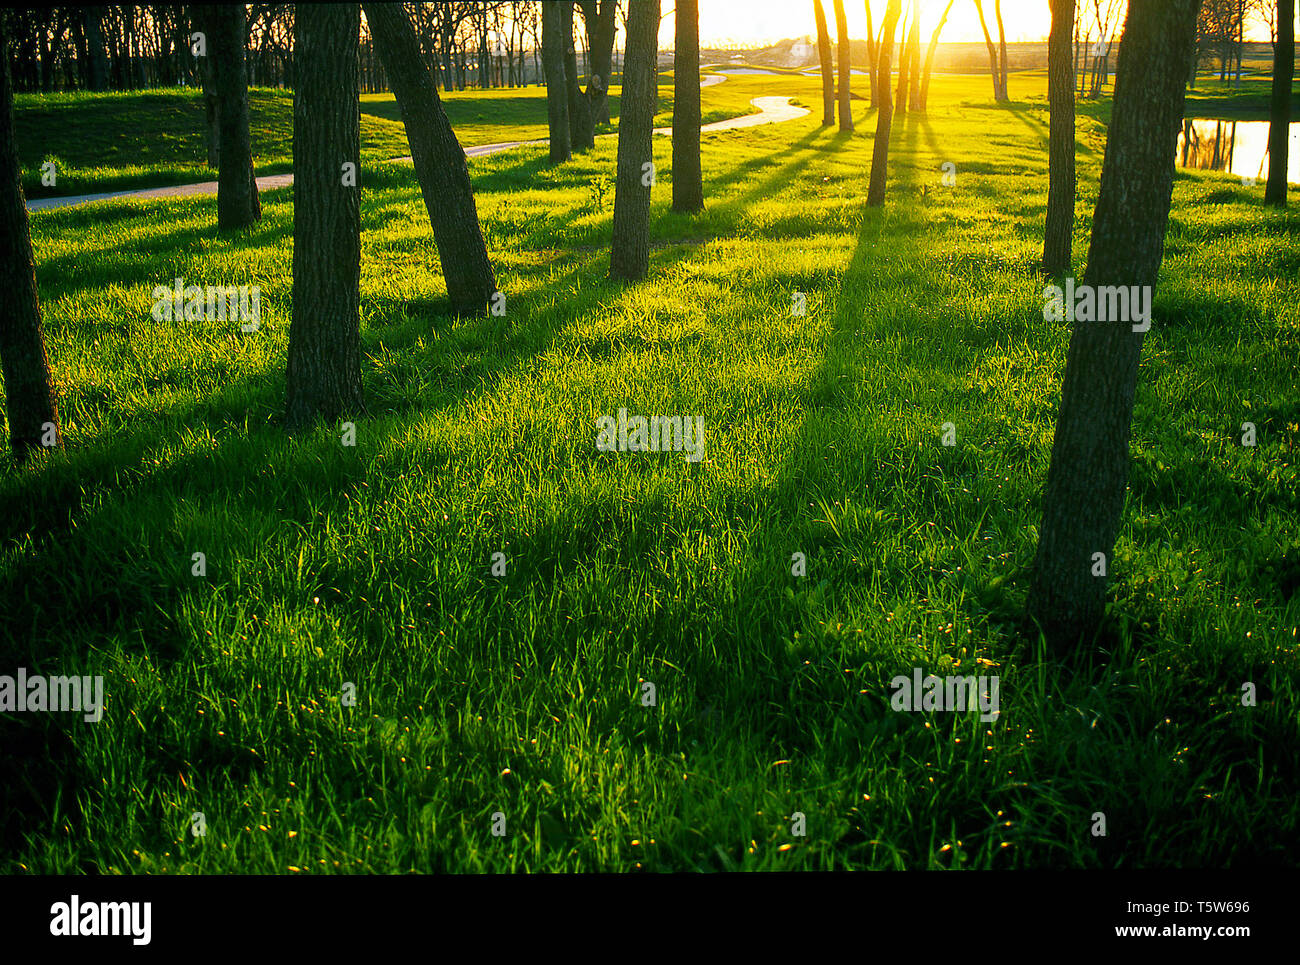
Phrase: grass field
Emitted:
{"points": [[521, 694], [132, 140]]}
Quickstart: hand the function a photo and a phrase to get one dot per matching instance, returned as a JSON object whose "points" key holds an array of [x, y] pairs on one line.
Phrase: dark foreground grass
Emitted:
{"points": [[522, 694]]}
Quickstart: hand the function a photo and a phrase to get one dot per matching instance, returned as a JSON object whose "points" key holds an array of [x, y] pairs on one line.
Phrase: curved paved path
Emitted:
{"points": [[772, 109]]}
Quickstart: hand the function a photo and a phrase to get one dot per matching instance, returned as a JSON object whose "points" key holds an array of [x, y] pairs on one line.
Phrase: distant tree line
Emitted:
{"points": [[109, 47]]}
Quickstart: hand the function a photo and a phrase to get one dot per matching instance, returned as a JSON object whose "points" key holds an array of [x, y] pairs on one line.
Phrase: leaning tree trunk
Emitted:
{"points": [[557, 88], [1280, 107], [630, 250], [846, 66], [828, 74], [324, 376], [1058, 238], [929, 57], [238, 204], [885, 116], [1090, 458], [30, 405], [439, 160], [993, 54], [688, 179]]}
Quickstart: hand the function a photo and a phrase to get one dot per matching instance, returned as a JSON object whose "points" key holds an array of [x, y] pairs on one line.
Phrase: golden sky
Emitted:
{"points": [[758, 22]]}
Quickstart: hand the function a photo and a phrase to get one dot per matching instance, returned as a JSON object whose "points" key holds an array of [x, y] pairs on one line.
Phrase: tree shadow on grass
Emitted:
{"points": [[134, 264], [737, 663]]}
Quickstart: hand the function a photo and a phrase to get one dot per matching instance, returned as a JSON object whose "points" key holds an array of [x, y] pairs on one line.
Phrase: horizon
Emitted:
{"points": [[771, 21]]}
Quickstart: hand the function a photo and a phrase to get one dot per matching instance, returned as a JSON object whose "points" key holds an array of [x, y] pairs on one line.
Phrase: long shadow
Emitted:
{"points": [[1041, 130], [86, 539], [81, 271], [743, 170], [117, 593]]}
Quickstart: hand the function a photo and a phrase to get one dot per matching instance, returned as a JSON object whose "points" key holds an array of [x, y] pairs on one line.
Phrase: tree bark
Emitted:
{"points": [[846, 67], [1279, 126], [914, 61], [929, 57], [1059, 235], [582, 129], [904, 66], [557, 88], [688, 178], [439, 161], [993, 54], [828, 74], [872, 52], [1089, 470], [97, 62], [599, 18], [885, 115], [630, 252], [211, 111], [324, 373], [1002, 49], [238, 203], [29, 393]]}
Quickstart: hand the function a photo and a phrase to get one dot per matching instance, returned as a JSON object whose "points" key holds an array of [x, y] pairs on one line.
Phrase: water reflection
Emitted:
{"points": [[1238, 147]]}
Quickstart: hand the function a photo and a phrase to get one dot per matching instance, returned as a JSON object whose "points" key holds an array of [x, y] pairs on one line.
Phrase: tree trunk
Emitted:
{"points": [[1002, 49], [914, 61], [238, 204], [600, 19], [439, 160], [885, 116], [29, 394], [1279, 125], [630, 254], [845, 65], [211, 111], [828, 73], [1059, 236], [993, 54], [324, 374], [1089, 470], [82, 47], [47, 71], [929, 57], [97, 62], [485, 55], [448, 64], [872, 52], [688, 179], [582, 129], [904, 68], [1080, 61], [557, 88]]}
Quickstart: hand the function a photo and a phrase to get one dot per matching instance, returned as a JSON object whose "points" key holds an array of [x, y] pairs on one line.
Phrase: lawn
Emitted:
{"points": [[132, 140], [368, 570]]}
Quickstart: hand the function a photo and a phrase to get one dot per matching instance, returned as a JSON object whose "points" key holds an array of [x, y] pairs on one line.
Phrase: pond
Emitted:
{"points": [[1238, 147]]}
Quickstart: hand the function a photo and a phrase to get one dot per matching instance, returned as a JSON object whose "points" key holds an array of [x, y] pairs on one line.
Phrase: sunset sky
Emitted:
{"points": [[759, 22]]}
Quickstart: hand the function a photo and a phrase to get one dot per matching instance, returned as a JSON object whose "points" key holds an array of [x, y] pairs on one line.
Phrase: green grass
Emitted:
{"points": [[132, 140], [520, 694]]}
